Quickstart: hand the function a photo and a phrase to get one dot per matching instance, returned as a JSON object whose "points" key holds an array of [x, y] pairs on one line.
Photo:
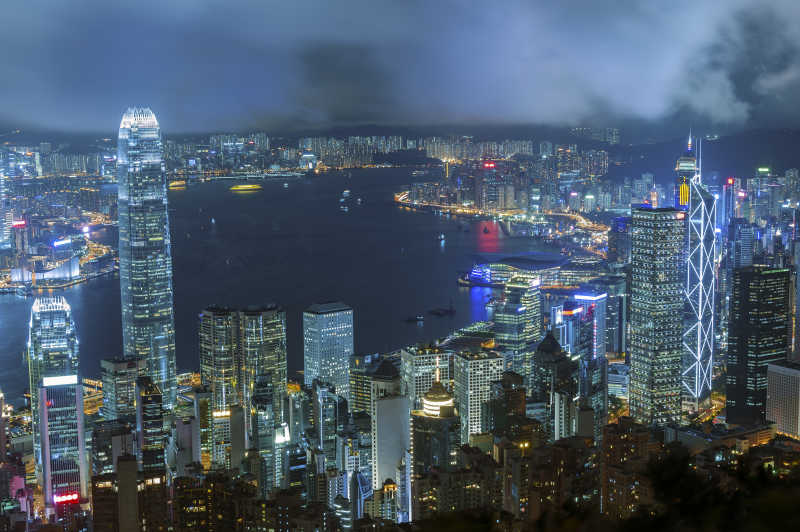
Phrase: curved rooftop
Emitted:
{"points": [[139, 117]]}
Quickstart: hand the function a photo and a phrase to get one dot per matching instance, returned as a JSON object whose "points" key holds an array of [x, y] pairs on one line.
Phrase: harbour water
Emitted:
{"points": [[293, 245]]}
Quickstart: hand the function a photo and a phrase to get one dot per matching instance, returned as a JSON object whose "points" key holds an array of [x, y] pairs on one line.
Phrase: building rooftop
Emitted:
{"points": [[327, 308]]}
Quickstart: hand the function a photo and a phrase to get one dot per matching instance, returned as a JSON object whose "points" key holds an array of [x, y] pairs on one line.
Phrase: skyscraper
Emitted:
{"points": [[657, 303], [145, 260], [699, 323], [220, 365], [52, 352], [760, 334], [64, 465], [150, 425], [119, 386], [518, 324], [262, 342], [473, 375], [435, 432], [328, 345], [686, 168]]}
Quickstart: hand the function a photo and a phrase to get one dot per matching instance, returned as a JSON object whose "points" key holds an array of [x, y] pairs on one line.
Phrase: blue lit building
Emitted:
{"points": [[328, 345], [145, 260]]}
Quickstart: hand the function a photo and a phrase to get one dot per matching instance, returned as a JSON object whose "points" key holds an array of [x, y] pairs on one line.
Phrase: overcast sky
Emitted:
{"points": [[205, 65]]}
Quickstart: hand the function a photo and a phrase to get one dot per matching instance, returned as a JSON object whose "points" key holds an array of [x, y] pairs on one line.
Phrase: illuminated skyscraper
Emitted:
{"points": [[328, 345], [760, 334], [262, 342], [52, 352], [64, 465], [145, 260], [220, 366], [518, 324], [6, 217], [119, 386], [473, 375], [686, 168], [699, 323], [656, 324], [150, 425]]}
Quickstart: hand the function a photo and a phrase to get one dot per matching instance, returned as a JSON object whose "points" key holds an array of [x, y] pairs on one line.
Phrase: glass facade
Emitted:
{"points": [[328, 345], [658, 281], [52, 351], [145, 261]]}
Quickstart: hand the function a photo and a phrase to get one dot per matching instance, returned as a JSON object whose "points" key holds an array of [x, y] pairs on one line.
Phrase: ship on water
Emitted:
{"points": [[247, 187]]}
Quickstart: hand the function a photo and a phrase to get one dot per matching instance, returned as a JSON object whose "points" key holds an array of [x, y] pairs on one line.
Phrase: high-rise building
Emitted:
{"points": [[619, 241], [594, 303], [783, 397], [64, 466], [361, 368], [390, 408], [262, 342], [150, 425], [435, 432], [220, 360], [420, 368], [699, 323], [269, 437], [473, 375], [518, 324], [686, 168], [145, 260], [760, 334], [118, 376], [555, 384], [656, 325], [328, 345], [52, 352]]}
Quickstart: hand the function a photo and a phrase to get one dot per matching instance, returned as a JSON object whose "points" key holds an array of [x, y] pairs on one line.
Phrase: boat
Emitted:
{"points": [[285, 185], [346, 193], [415, 319], [179, 184], [344, 208], [486, 230], [213, 221], [249, 187], [359, 201], [441, 237]]}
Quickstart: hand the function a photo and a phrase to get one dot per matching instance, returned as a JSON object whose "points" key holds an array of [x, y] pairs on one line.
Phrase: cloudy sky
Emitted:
{"points": [[207, 65]]}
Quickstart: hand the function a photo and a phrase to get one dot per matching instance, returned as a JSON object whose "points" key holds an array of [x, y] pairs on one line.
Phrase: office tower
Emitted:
{"points": [[64, 468], [270, 437], [361, 368], [150, 425], [619, 241], [110, 440], [435, 432], [555, 384], [390, 408], [760, 334], [220, 362], [658, 278], [202, 411], [145, 260], [594, 303], [518, 323], [573, 331], [262, 342], [330, 415], [615, 288], [783, 397], [473, 374], [699, 324], [118, 376], [506, 402], [328, 345], [52, 352], [420, 368], [686, 168], [6, 216], [354, 449]]}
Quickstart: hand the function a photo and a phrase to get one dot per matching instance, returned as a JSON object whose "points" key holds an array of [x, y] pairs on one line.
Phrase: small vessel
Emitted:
{"points": [[358, 201], [346, 193], [441, 237], [344, 208], [485, 229], [213, 221], [286, 185], [249, 187], [178, 184], [415, 319]]}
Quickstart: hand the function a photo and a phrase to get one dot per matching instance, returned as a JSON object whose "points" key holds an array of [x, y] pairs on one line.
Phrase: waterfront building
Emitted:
{"points": [[421, 367], [220, 358], [145, 260], [118, 376], [657, 298], [699, 325], [435, 432], [65, 472], [52, 351], [473, 374], [760, 334], [262, 343], [328, 345], [518, 323], [150, 425], [783, 397]]}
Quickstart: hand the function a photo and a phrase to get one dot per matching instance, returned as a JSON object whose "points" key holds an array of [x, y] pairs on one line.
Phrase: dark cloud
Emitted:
{"points": [[212, 64]]}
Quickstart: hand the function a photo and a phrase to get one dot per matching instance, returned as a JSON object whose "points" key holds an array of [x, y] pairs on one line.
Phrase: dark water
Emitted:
{"points": [[293, 246]]}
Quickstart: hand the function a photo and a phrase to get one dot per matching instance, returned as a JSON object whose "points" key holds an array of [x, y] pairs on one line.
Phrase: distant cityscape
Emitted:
{"points": [[659, 336]]}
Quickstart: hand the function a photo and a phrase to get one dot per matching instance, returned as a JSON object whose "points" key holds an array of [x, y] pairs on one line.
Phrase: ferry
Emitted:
{"points": [[177, 185], [249, 187], [346, 193]]}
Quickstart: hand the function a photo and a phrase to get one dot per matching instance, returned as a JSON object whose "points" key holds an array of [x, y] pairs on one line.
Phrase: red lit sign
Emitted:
{"points": [[730, 180], [488, 164], [67, 497], [18, 223]]}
